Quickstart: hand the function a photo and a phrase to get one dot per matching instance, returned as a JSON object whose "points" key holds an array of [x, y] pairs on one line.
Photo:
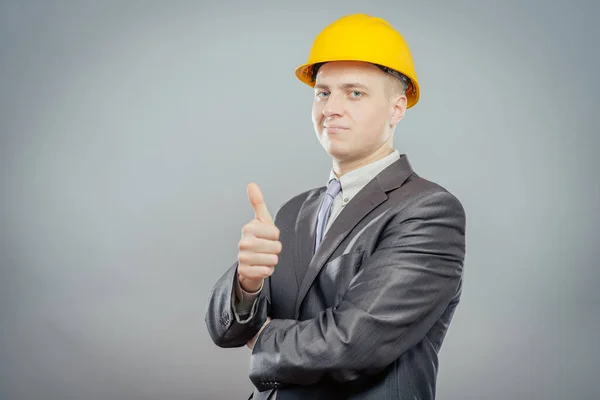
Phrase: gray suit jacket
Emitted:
{"points": [[365, 316]]}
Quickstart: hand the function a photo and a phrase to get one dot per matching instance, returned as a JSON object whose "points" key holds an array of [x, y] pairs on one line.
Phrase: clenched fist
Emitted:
{"points": [[259, 246]]}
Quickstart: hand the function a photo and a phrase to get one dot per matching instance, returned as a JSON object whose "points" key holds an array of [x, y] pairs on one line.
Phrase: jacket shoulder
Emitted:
{"points": [[422, 188]]}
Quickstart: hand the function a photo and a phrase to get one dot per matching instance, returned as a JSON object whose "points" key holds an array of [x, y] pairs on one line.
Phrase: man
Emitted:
{"points": [[348, 292]]}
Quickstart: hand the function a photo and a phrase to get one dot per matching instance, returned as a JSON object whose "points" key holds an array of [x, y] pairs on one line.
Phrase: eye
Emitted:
{"points": [[322, 94], [356, 93]]}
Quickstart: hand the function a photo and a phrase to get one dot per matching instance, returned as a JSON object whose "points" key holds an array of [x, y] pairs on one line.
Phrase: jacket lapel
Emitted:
{"points": [[369, 197], [306, 232]]}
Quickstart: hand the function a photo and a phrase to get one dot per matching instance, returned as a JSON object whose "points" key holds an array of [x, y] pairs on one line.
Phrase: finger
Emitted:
{"points": [[255, 272], [257, 259], [258, 204], [259, 245], [261, 230]]}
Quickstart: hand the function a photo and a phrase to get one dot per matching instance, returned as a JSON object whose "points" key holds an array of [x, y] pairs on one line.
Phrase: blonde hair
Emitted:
{"points": [[405, 82]]}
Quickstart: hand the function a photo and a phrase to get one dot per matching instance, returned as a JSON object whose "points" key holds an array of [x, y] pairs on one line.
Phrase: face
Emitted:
{"points": [[355, 110]]}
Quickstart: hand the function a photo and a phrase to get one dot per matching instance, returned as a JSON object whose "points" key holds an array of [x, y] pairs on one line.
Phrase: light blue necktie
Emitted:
{"points": [[333, 188]]}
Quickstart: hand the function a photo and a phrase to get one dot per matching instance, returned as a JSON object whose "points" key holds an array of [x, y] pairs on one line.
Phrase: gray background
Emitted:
{"points": [[129, 131]]}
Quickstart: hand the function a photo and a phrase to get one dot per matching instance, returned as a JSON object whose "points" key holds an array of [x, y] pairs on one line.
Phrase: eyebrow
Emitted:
{"points": [[342, 86]]}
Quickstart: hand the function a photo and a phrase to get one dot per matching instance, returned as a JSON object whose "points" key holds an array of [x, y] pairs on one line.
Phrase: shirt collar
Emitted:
{"points": [[355, 180]]}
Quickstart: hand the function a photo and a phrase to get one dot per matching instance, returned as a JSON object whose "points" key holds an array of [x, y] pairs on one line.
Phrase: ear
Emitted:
{"points": [[399, 108]]}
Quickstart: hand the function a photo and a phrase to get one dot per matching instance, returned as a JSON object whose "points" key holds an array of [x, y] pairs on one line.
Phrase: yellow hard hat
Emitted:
{"points": [[361, 37]]}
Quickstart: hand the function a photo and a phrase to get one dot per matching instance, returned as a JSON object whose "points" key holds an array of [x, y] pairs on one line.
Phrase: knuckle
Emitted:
{"points": [[246, 229], [270, 260], [244, 258], [245, 243], [242, 271]]}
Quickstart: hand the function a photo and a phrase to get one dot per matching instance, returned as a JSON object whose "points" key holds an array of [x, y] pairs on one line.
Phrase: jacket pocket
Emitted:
{"points": [[347, 260], [336, 275]]}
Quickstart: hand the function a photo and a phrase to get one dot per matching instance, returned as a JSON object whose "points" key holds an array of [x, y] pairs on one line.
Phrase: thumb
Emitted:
{"points": [[258, 204]]}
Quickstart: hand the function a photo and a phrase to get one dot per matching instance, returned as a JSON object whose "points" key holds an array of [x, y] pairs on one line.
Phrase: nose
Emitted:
{"points": [[334, 106]]}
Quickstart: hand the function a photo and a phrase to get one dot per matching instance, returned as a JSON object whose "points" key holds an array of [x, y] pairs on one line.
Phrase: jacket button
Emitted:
{"points": [[224, 319]]}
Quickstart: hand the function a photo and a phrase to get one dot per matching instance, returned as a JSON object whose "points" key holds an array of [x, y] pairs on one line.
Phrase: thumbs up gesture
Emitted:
{"points": [[259, 247]]}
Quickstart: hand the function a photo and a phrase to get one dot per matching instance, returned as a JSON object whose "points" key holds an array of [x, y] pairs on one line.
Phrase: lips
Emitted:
{"points": [[335, 128]]}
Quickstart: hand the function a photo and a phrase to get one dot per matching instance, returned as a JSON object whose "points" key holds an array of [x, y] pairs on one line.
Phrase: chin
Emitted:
{"points": [[341, 153]]}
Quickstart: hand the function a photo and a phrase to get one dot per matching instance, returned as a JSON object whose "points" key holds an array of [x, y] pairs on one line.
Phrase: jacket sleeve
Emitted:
{"points": [[402, 289], [225, 327], [227, 318]]}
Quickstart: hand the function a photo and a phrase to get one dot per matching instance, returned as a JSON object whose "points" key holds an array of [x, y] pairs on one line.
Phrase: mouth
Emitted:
{"points": [[335, 128]]}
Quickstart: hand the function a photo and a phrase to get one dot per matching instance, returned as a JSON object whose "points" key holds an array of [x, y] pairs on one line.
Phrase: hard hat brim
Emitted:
{"points": [[304, 74]]}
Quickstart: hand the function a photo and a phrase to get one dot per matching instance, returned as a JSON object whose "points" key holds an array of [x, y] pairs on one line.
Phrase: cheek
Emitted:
{"points": [[315, 114], [372, 123], [317, 117]]}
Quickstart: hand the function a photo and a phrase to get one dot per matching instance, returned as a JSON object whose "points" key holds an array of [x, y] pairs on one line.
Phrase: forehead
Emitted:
{"points": [[338, 72]]}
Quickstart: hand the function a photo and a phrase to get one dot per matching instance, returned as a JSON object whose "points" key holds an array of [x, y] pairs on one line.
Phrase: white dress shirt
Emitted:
{"points": [[353, 182]]}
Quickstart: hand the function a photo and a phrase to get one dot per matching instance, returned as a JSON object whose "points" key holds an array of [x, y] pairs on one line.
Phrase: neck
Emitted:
{"points": [[342, 167]]}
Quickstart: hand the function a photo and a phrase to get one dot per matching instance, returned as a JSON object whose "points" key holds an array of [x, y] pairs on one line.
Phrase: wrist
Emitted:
{"points": [[250, 286]]}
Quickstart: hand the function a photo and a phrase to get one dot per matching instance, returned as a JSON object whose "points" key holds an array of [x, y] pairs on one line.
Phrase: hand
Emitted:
{"points": [[253, 340], [259, 246]]}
